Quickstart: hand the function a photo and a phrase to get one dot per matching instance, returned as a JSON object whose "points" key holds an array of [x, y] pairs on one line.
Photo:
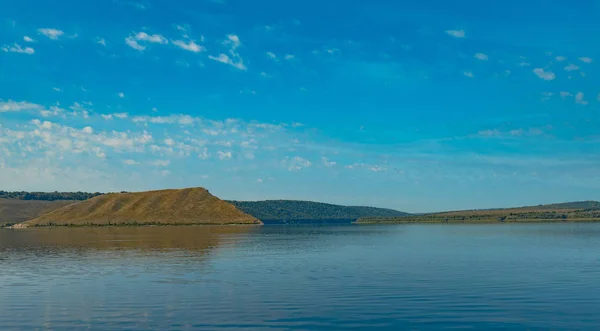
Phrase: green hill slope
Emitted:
{"points": [[276, 211]]}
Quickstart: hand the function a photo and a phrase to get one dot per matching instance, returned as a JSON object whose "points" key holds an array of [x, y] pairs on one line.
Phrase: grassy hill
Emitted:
{"points": [[14, 211], [164, 207], [292, 211], [559, 212]]}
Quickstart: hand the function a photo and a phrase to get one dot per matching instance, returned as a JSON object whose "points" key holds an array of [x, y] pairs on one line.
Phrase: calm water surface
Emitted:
{"points": [[414, 277]]}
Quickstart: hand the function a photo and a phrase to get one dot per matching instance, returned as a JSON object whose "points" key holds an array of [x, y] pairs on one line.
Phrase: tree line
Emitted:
{"points": [[48, 196]]}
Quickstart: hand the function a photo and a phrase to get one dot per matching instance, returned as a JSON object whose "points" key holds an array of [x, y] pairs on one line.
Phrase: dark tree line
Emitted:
{"points": [[48, 196]]}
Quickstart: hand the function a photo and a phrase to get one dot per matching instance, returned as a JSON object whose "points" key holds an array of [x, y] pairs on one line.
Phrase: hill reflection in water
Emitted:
{"points": [[193, 238]]}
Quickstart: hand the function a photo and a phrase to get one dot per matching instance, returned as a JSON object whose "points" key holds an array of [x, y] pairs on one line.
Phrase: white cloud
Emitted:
{"points": [[107, 116], [224, 58], [296, 163], [16, 48], [121, 95], [545, 75], [271, 55], [189, 46], [377, 168], [481, 56], [560, 58], [101, 41], [586, 59], [524, 64], [130, 162], [456, 33], [133, 41], [259, 180], [51, 33], [57, 89], [28, 39], [289, 57], [233, 59], [6, 106], [579, 99], [160, 163], [224, 155], [571, 67], [328, 163], [169, 142], [171, 119], [120, 115], [87, 129], [565, 94], [468, 74]]}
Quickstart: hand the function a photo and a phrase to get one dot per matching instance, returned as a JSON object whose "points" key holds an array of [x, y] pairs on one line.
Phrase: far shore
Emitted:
{"points": [[482, 221]]}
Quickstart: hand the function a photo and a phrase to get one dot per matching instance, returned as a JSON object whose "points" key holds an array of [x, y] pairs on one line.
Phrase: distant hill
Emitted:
{"points": [[568, 211], [14, 211], [292, 211], [164, 207], [48, 196]]}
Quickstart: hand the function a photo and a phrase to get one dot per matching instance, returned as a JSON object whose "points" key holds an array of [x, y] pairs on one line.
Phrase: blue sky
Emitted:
{"points": [[415, 105]]}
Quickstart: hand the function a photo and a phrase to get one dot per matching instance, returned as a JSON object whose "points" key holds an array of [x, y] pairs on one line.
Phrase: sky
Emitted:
{"points": [[420, 106]]}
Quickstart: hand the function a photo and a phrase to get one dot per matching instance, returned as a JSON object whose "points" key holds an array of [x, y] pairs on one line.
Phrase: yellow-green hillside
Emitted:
{"points": [[165, 207]]}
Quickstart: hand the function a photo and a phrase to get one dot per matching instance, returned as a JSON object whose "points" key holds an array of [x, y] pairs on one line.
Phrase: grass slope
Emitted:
{"points": [[165, 207], [568, 211], [14, 211], [292, 210]]}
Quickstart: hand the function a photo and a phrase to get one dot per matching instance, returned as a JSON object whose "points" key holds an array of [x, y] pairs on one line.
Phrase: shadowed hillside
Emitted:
{"points": [[169, 207], [291, 211], [559, 212], [16, 211]]}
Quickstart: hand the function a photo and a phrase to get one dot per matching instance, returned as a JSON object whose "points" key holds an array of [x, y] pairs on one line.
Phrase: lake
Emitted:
{"points": [[342, 277]]}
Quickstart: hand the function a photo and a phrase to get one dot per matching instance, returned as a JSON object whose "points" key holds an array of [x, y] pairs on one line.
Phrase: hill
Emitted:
{"points": [[14, 211], [292, 211], [164, 207], [568, 211]]}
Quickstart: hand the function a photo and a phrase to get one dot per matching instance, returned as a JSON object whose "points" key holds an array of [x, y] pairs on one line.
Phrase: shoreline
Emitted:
{"points": [[482, 221], [123, 225]]}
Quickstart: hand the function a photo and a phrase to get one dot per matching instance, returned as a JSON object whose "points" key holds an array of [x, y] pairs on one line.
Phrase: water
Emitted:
{"points": [[413, 277]]}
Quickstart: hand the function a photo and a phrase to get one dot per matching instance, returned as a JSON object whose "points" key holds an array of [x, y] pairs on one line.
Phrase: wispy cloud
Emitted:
{"points": [[571, 67], [296, 163], [160, 163], [586, 59], [468, 74], [130, 162], [51, 33], [560, 58], [189, 46], [543, 74], [28, 39], [16, 48], [481, 56], [456, 33], [271, 55], [224, 155], [133, 41], [233, 59], [10, 106], [579, 99], [327, 162], [101, 41]]}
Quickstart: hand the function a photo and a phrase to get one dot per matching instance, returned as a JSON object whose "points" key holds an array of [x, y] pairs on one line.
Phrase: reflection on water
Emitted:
{"points": [[114, 238], [508, 276]]}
